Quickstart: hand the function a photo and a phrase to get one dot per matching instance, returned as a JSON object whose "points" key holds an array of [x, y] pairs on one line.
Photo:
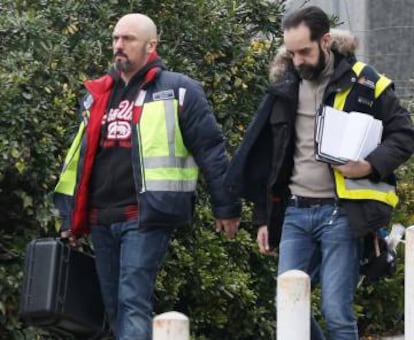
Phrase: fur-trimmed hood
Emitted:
{"points": [[342, 41]]}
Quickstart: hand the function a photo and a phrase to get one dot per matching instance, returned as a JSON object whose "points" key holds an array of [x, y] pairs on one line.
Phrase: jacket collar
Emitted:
{"points": [[104, 84], [100, 86], [287, 86]]}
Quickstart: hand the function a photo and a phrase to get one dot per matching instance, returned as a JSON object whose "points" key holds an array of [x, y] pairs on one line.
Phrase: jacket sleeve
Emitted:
{"points": [[63, 204], [398, 136], [259, 216], [204, 140], [62, 196], [250, 168]]}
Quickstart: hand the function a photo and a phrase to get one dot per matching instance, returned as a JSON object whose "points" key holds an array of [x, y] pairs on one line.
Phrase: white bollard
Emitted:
{"points": [[171, 326], [409, 284], [293, 306]]}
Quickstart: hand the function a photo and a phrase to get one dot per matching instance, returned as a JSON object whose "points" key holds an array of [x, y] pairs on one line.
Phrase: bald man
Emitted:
{"points": [[130, 175]]}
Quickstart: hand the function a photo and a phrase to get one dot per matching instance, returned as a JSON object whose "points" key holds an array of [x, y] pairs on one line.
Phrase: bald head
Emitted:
{"points": [[134, 40], [140, 24]]}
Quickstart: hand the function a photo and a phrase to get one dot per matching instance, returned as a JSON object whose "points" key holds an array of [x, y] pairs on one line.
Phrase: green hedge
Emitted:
{"points": [[48, 49]]}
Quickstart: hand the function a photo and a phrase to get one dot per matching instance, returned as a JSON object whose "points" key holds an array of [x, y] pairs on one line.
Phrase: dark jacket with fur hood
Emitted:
{"points": [[261, 168]]}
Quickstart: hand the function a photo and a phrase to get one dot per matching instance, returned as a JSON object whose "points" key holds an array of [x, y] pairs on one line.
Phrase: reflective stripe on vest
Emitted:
{"points": [[363, 188], [67, 179], [166, 164]]}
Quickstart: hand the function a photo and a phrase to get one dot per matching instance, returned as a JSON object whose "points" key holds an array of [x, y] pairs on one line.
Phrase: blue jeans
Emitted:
{"points": [[318, 241], [127, 261]]}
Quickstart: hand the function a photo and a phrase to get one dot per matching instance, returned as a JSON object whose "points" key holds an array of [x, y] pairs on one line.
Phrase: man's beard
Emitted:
{"points": [[122, 65], [312, 72]]}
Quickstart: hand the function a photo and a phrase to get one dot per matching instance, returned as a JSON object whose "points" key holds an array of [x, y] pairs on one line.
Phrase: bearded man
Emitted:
{"points": [[317, 211]]}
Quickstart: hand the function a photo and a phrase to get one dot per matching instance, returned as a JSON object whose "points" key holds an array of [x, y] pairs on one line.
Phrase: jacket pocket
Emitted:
{"points": [[361, 99], [367, 215], [163, 208]]}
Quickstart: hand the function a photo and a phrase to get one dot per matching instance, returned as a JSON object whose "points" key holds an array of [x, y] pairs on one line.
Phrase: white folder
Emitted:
{"points": [[341, 136]]}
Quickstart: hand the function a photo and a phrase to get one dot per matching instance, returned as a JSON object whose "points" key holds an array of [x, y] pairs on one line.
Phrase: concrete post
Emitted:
{"points": [[293, 306], [409, 283], [171, 326]]}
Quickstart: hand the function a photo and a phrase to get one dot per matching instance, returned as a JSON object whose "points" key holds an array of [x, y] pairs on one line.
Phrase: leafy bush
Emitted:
{"points": [[49, 48]]}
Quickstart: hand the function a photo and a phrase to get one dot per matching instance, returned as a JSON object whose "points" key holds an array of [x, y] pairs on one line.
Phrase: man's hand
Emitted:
{"points": [[356, 169], [263, 241], [66, 235], [229, 225]]}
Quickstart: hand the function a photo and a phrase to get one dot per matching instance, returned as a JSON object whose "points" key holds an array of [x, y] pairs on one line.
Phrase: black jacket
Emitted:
{"points": [[262, 166], [200, 134]]}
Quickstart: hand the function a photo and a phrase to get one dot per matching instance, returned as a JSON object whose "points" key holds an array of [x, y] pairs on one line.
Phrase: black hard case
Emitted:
{"points": [[60, 291]]}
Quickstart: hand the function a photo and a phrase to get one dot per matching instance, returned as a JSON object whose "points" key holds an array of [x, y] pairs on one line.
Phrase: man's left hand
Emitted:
{"points": [[229, 225], [356, 169]]}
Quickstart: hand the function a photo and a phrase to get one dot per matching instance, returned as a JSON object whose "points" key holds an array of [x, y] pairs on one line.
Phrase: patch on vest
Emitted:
{"points": [[87, 102], [365, 101], [163, 95]]}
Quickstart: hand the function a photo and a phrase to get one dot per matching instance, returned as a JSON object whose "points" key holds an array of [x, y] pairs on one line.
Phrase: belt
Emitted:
{"points": [[310, 202], [113, 215]]}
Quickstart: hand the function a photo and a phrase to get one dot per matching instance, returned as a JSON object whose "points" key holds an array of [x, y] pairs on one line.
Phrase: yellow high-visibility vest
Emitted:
{"points": [[166, 164], [67, 180], [363, 188]]}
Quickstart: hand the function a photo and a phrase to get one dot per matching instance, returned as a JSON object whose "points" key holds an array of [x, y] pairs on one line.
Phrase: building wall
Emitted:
{"points": [[390, 41]]}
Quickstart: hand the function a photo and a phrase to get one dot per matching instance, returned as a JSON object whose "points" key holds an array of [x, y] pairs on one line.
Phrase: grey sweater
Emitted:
{"points": [[310, 178]]}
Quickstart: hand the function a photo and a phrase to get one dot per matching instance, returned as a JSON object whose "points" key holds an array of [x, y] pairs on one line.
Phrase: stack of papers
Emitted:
{"points": [[342, 136]]}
